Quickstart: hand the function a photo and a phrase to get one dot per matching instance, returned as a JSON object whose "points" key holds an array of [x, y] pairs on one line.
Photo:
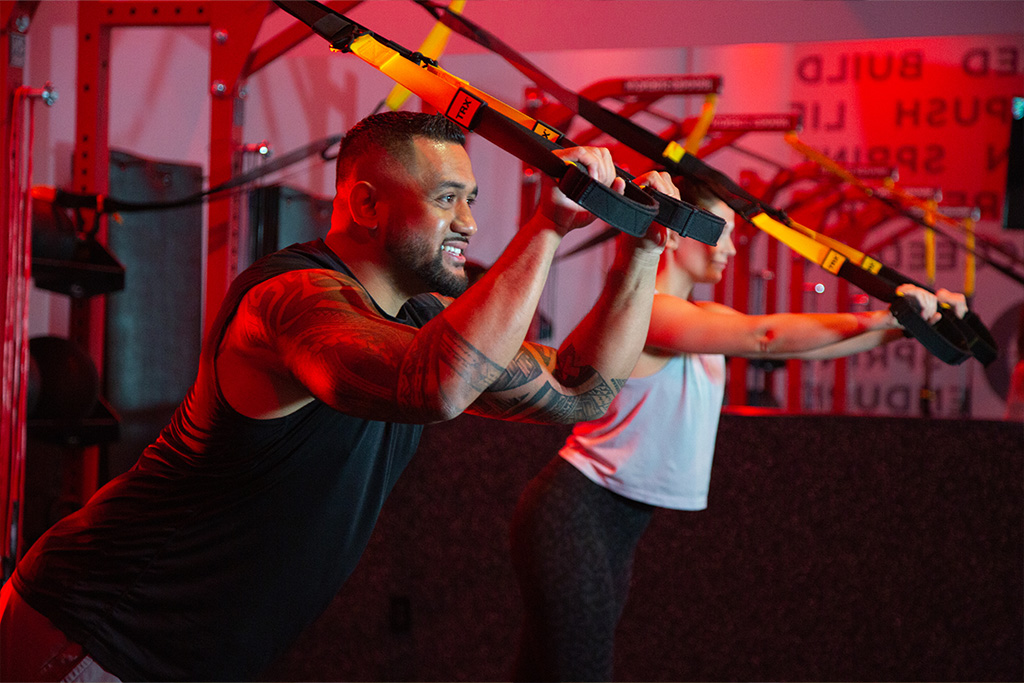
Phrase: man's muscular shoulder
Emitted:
{"points": [[251, 363]]}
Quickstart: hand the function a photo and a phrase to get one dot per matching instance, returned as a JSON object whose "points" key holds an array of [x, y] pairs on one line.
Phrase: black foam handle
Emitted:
{"points": [[688, 220], [676, 215], [979, 340], [944, 340], [983, 344], [632, 212]]}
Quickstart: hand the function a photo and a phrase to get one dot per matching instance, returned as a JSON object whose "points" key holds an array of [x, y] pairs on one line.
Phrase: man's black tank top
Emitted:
{"points": [[230, 534]]}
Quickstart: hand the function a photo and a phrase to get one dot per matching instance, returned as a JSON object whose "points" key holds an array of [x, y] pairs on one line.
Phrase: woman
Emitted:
{"points": [[579, 520]]}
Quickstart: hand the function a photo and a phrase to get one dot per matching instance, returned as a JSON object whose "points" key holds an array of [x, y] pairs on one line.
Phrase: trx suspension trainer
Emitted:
{"points": [[952, 339], [515, 132]]}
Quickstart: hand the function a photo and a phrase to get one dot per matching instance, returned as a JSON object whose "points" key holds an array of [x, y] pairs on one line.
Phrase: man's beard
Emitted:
{"points": [[431, 271]]}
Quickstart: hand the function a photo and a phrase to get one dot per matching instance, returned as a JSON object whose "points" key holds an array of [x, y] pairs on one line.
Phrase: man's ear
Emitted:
{"points": [[362, 203]]}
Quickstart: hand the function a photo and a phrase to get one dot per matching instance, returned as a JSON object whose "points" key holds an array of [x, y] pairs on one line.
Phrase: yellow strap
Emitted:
{"points": [[700, 129], [856, 257], [432, 47], [437, 87], [828, 253], [810, 249], [826, 163], [970, 264], [436, 92], [929, 241]]}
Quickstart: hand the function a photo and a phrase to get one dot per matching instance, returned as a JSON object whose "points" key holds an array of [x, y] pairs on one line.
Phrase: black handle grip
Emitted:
{"points": [[983, 345], [632, 212], [944, 340], [688, 220], [979, 340], [682, 217]]}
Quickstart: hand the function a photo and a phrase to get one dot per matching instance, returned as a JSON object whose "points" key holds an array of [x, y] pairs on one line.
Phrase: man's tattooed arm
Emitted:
{"points": [[316, 333], [332, 340], [543, 386]]}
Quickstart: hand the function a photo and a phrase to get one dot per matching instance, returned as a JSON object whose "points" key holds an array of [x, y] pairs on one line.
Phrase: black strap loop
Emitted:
{"points": [[682, 217], [943, 339], [979, 340], [687, 219], [954, 336], [631, 213], [983, 344]]}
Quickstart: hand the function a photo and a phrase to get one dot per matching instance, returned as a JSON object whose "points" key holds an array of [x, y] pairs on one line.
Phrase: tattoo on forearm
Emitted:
{"points": [[571, 372], [548, 403], [417, 379], [588, 405], [524, 368]]}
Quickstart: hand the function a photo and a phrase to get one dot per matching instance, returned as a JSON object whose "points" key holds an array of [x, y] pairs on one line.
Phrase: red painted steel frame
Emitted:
{"points": [[15, 22], [233, 28]]}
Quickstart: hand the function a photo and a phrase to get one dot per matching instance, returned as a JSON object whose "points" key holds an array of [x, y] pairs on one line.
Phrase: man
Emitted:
{"points": [[235, 529]]}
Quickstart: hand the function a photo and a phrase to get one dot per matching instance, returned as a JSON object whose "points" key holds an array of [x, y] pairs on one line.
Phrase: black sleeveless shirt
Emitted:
{"points": [[229, 535]]}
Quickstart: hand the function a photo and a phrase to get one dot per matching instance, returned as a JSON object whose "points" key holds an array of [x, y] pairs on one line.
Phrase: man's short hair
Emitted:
{"points": [[392, 133]]}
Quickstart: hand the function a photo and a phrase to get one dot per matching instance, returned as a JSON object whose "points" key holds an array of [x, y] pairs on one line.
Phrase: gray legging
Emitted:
{"points": [[572, 548]]}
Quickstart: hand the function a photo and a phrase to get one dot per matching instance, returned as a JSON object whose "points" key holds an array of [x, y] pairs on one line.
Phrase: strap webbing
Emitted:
{"points": [[978, 338], [114, 205], [509, 129], [504, 125], [431, 48], [860, 271]]}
